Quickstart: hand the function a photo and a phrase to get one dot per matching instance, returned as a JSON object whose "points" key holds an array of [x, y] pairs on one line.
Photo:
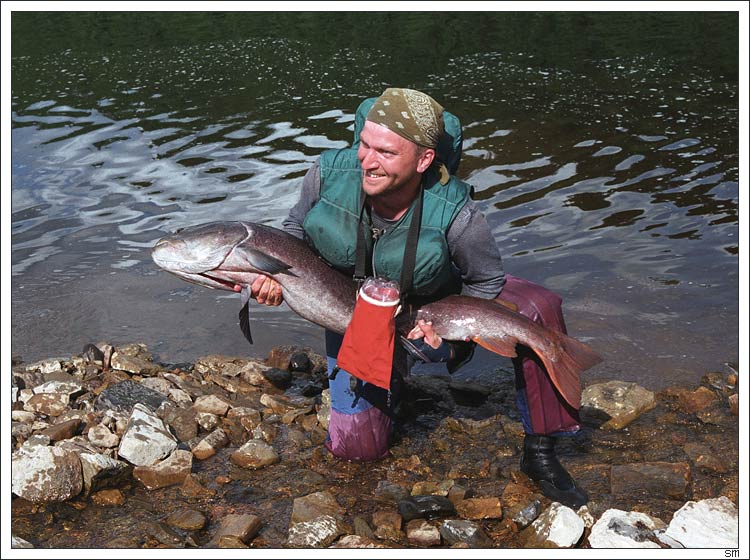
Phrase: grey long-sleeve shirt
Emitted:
{"points": [[472, 247]]}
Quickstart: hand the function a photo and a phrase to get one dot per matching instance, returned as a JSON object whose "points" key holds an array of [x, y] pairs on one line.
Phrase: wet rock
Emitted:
{"points": [[265, 432], [123, 396], [356, 541], [210, 444], [711, 523], [254, 455], [557, 527], [186, 519], [625, 529], [526, 515], [734, 404], [324, 412], [480, 508], [249, 418], [240, 526], [111, 497], [163, 534], [316, 533], [362, 528], [281, 404], [456, 493], [100, 471], [100, 436], [45, 474], [168, 472], [429, 487], [417, 507], [422, 533], [192, 488], [703, 457], [696, 401], [651, 480], [63, 430], [390, 491], [147, 439], [314, 505], [462, 532], [387, 525], [614, 404]]}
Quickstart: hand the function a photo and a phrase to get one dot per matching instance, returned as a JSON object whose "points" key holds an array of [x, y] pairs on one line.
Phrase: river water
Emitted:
{"points": [[603, 149]]}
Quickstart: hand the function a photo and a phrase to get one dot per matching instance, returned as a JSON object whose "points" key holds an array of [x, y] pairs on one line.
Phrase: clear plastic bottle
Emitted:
{"points": [[381, 289]]}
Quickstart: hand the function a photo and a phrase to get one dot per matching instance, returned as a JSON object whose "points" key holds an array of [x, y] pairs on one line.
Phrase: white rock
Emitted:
{"points": [[101, 436], [558, 526], [711, 523], [212, 404], [46, 474], [319, 532], [179, 396], [18, 542], [624, 529], [62, 387], [146, 439]]}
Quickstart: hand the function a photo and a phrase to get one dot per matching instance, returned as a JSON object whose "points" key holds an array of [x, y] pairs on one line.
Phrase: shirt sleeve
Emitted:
{"points": [[309, 195], [474, 251]]}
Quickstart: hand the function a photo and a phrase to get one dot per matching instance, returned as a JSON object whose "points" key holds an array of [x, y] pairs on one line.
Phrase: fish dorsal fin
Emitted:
{"points": [[263, 262]]}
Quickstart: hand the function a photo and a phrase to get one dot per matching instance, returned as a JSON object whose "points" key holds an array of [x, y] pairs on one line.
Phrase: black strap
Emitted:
{"points": [[360, 268], [410, 250]]}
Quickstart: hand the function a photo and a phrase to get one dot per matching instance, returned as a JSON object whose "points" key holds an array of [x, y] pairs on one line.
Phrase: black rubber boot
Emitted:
{"points": [[540, 464]]}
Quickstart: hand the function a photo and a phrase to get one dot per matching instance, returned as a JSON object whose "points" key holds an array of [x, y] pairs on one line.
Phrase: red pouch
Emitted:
{"points": [[367, 349]]}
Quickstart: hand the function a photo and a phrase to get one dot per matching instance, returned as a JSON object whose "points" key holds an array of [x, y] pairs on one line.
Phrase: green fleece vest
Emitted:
{"points": [[331, 226]]}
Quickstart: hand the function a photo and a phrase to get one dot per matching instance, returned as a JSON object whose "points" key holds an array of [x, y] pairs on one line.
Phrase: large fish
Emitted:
{"points": [[230, 255]]}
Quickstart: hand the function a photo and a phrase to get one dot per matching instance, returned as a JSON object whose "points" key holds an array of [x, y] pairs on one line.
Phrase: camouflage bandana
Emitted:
{"points": [[409, 113]]}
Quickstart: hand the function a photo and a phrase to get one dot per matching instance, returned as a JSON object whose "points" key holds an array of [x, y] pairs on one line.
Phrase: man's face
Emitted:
{"points": [[389, 162]]}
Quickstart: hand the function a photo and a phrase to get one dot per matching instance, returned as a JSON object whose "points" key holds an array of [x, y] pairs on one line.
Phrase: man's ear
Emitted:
{"points": [[425, 160]]}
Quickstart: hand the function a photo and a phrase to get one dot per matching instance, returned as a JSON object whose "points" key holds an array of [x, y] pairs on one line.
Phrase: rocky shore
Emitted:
{"points": [[111, 449]]}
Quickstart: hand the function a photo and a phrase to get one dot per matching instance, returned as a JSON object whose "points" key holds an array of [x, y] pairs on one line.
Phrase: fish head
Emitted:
{"points": [[196, 253]]}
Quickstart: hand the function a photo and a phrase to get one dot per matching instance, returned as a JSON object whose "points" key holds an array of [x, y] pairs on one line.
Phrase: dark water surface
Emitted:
{"points": [[603, 148]]}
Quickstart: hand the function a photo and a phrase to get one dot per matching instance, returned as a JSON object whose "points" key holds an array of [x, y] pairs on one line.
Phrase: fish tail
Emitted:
{"points": [[565, 367]]}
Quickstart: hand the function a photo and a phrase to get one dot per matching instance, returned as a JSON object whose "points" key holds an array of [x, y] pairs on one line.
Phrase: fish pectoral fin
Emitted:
{"points": [[505, 346], [245, 321], [264, 263]]}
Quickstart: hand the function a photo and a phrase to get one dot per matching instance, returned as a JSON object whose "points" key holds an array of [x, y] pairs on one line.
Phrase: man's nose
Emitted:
{"points": [[366, 158]]}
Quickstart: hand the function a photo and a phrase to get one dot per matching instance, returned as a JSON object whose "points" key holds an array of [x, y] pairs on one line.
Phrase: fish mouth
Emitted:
{"points": [[207, 280]]}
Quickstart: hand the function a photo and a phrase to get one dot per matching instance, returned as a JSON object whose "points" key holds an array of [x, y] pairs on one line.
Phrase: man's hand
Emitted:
{"points": [[266, 290], [424, 329]]}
